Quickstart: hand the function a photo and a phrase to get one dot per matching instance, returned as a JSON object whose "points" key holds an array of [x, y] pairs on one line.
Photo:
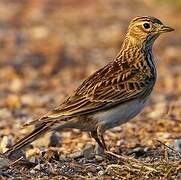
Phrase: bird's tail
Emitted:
{"points": [[42, 125], [35, 134]]}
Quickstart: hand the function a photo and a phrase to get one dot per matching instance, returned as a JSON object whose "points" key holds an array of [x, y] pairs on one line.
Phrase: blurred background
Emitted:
{"points": [[47, 47]]}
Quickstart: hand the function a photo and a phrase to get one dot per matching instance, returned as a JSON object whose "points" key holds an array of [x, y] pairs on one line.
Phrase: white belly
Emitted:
{"points": [[119, 114]]}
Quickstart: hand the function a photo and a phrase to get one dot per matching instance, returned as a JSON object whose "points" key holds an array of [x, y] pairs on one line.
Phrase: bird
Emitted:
{"points": [[113, 94]]}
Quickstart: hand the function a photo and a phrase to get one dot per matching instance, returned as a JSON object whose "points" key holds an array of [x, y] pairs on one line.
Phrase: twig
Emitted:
{"points": [[14, 162], [133, 162], [176, 152]]}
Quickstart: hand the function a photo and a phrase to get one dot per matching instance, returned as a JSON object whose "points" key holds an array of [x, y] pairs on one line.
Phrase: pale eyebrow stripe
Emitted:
{"points": [[149, 19]]}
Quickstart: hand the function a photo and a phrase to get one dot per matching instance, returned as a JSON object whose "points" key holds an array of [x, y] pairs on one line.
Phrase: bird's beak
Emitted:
{"points": [[164, 29]]}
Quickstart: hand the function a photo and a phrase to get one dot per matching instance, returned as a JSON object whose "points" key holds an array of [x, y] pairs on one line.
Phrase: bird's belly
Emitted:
{"points": [[119, 114]]}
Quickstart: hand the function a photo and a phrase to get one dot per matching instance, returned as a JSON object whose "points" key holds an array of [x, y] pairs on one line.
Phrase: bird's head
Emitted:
{"points": [[144, 30]]}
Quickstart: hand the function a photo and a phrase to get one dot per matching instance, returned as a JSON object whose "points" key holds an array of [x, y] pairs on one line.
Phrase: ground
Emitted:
{"points": [[46, 49]]}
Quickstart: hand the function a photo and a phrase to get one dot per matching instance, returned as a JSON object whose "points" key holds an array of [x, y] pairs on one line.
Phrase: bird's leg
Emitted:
{"points": [[103, 142], [96, 137], [100, 131], [100, 140], [100, 135]]}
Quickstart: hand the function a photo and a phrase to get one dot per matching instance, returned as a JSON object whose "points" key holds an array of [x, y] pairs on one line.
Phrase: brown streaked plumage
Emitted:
{"points": [[112, 95]]}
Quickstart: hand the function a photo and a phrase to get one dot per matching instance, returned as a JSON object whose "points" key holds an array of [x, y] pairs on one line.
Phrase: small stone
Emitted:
{"points": [[76, 155], [13, 101], [138, 151], [88, 151], [54, 140], [90, 174], [5, 113], [100, 173], [32, 171], [4, 162], [99, 158], [91, 168], [17, 154], [37, 167], [39, 32], [33, 160], [16, 85], [177, 145], [158, 111], [32, 152], [5, 143]]}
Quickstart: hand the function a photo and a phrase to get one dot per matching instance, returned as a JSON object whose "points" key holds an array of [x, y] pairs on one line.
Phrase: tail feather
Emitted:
{"points": [[43, 124], [35, 134], [47, 118]]}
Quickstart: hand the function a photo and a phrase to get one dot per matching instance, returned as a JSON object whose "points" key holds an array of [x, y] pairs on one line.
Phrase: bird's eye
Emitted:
{"points": [[146, 25]]}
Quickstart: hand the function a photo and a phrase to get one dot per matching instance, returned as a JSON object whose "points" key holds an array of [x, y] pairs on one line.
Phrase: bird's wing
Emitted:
{"points": [[107, 87]]}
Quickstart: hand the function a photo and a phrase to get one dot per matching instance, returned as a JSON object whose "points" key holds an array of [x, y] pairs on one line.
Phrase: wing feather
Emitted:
{"points": [[101, 97]]}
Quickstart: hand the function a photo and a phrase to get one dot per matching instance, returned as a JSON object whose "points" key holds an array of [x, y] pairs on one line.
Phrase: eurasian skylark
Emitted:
{"points": [[112, 95]]}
